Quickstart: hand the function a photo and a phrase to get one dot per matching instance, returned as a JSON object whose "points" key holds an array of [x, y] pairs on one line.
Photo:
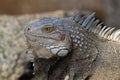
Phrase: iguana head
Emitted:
{"points": [[47, 33]]}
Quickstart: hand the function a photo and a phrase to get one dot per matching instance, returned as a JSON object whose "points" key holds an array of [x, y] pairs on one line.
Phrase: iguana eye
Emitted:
{"points": [[47, 28]]}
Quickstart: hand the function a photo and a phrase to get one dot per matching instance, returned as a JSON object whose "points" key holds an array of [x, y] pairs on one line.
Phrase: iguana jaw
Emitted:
{"points": [[54, 49], [59, 48]]}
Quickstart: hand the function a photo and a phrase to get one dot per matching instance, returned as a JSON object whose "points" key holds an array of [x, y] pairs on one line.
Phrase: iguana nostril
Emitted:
{"points": [[28, 29]]}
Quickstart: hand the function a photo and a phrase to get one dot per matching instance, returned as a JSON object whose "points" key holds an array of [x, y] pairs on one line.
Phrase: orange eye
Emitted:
{"points": [[47, 28]]}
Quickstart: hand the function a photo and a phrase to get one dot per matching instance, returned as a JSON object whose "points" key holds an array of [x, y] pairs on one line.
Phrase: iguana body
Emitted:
{"points": [[87, 48]]}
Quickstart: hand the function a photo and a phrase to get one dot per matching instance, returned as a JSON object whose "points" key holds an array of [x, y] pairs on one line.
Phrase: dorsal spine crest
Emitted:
{"points": [[94, 25]]}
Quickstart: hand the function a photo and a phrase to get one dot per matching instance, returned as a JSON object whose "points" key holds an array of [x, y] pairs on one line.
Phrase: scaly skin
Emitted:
{"points": [[51, 37]]}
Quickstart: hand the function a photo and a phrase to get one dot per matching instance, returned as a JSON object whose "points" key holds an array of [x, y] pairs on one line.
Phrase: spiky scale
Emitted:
{"points": [[92, 24]]}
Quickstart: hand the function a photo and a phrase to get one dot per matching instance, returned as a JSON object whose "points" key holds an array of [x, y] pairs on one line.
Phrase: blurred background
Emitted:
{"points": [[103, 8], [15, 14]]}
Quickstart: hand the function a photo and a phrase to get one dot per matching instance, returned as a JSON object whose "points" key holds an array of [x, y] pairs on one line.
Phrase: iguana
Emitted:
{"points": [[74, 48]]}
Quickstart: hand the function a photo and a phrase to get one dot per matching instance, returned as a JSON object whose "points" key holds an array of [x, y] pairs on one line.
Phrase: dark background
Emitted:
{"points": [[38, 6], [107, 10]]}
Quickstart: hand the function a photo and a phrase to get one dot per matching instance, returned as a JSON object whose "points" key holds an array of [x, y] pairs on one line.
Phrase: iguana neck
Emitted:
{"points": [[80, 38]]}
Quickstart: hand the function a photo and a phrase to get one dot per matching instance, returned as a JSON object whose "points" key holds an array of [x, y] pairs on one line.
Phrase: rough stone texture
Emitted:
{"points": [[12, 55]]}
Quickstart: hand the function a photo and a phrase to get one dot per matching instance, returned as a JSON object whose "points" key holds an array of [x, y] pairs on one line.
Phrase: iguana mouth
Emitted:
{"points": [[34, 38]]}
